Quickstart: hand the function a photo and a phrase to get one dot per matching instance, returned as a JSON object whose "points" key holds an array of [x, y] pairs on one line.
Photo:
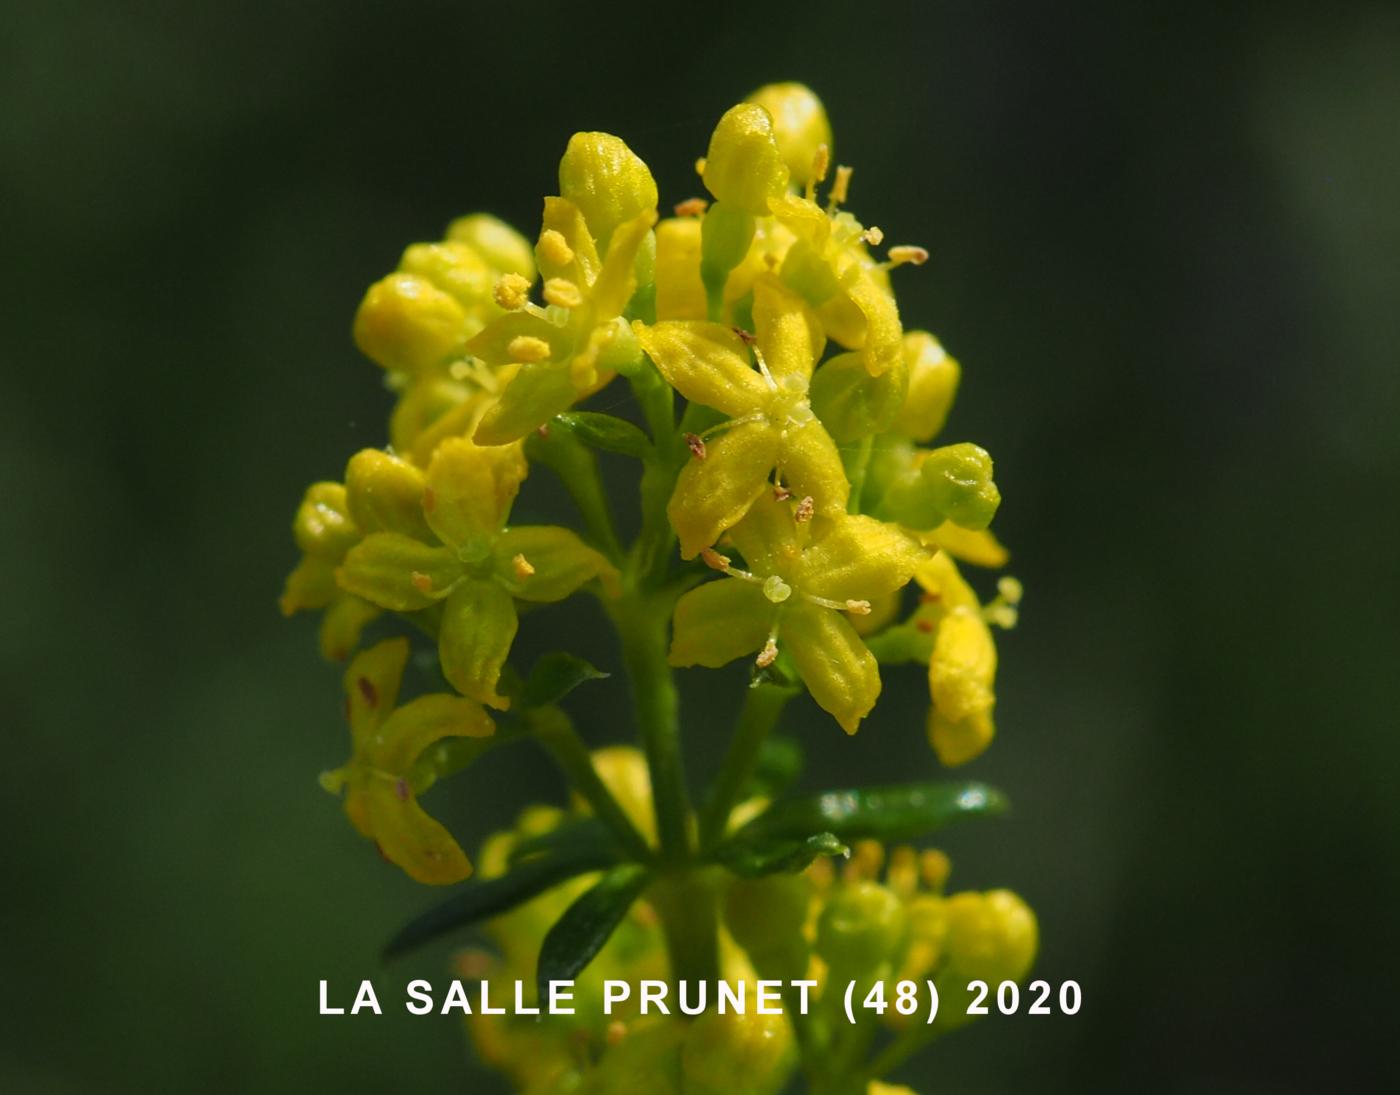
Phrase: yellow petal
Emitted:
{"points": [[859, 559], [718, 622], [310, 585], [707, 363], [416, 725], [371, 686], [397, 572], [342, 624], [545, 563], [839, 672], [978, 548], [963, 666], [788, 334], [478, 627], [617, 280], [581, 266], [713, 494], [470, 489], [933, 382], [538, 392], [810, 464], [493, 342], [411, 839], [959, 742], [939, 577]]}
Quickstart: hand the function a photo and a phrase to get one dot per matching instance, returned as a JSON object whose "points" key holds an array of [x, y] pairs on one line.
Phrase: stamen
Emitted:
{"points": [[840, 189], [934, 868], [714, 560], [763, 368], [696, 444], [511, 291], [858, 608], [691, 207], [781, 493], [423, 583], [806, 509], [873, 236], [562, 293], [768, 655], [700, 166], [746, 337], [553, 248], [522, 567]]}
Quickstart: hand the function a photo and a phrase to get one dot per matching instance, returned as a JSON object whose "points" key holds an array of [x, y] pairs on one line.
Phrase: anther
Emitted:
{"points": [[527, 348], [858, 608], [840, 188], [562, 293], [691, 207], [522, 567], [781, 493], [421, 582], [511, 291], [700, 166], [768, 655], [907, 253], [714, 560], [746, 337], [553, 248], [696, 444], [934, 868], [805, 510], [873, 236]]}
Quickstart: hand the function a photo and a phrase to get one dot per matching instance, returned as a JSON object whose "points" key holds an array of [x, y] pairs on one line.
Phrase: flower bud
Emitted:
{"points": [[957, 742], [744, 166], [991, 937], [505, 250], [799, 123], [959, 478], [452, 267], [606, 180], [730, 1054], [851, 403], [323, 525], [933, 382], [861, 926], [385, 494], [405, 322], [765, 916]]}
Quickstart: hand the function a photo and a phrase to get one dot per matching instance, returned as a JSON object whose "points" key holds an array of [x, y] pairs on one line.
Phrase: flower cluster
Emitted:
{"points": [[793, 511]]}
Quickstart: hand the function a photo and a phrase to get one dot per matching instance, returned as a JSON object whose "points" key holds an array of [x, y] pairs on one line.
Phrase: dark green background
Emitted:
{"points": [[1166, 248]]}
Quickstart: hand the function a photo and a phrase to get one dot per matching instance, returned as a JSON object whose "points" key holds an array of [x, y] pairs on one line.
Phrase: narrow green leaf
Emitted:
{"points": [[554, 676], [883, 813], [606, 432], [752, 858], [587, 838], [587, 924], [480, 899]]}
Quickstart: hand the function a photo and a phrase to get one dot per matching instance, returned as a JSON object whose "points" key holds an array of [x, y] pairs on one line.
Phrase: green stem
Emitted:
{"points": [[577, 468], [556, 733], [763, 703], [642, 627], [688, 904], [900, 1050]]}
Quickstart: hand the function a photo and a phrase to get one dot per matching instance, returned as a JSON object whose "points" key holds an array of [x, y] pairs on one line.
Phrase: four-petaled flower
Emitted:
{"points": [[381, 780], [466, 560], [803, 577], [770, 425]]}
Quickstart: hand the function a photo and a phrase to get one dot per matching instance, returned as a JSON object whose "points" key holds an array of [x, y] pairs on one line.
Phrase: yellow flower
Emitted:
{"points": [[770, 422], [465, 559], [380, 782], [829, 265], [589, 259], [803, 578]]}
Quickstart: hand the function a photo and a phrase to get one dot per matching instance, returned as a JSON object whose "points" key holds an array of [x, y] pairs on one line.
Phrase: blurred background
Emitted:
{"points": [[1166, 248]]}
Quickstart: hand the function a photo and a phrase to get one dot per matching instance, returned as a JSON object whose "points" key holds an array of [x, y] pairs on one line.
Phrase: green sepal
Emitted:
{"points": [[554, 676], [480, 899], [587, 924], [606, 432], [901, 812], [762, 856]]}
